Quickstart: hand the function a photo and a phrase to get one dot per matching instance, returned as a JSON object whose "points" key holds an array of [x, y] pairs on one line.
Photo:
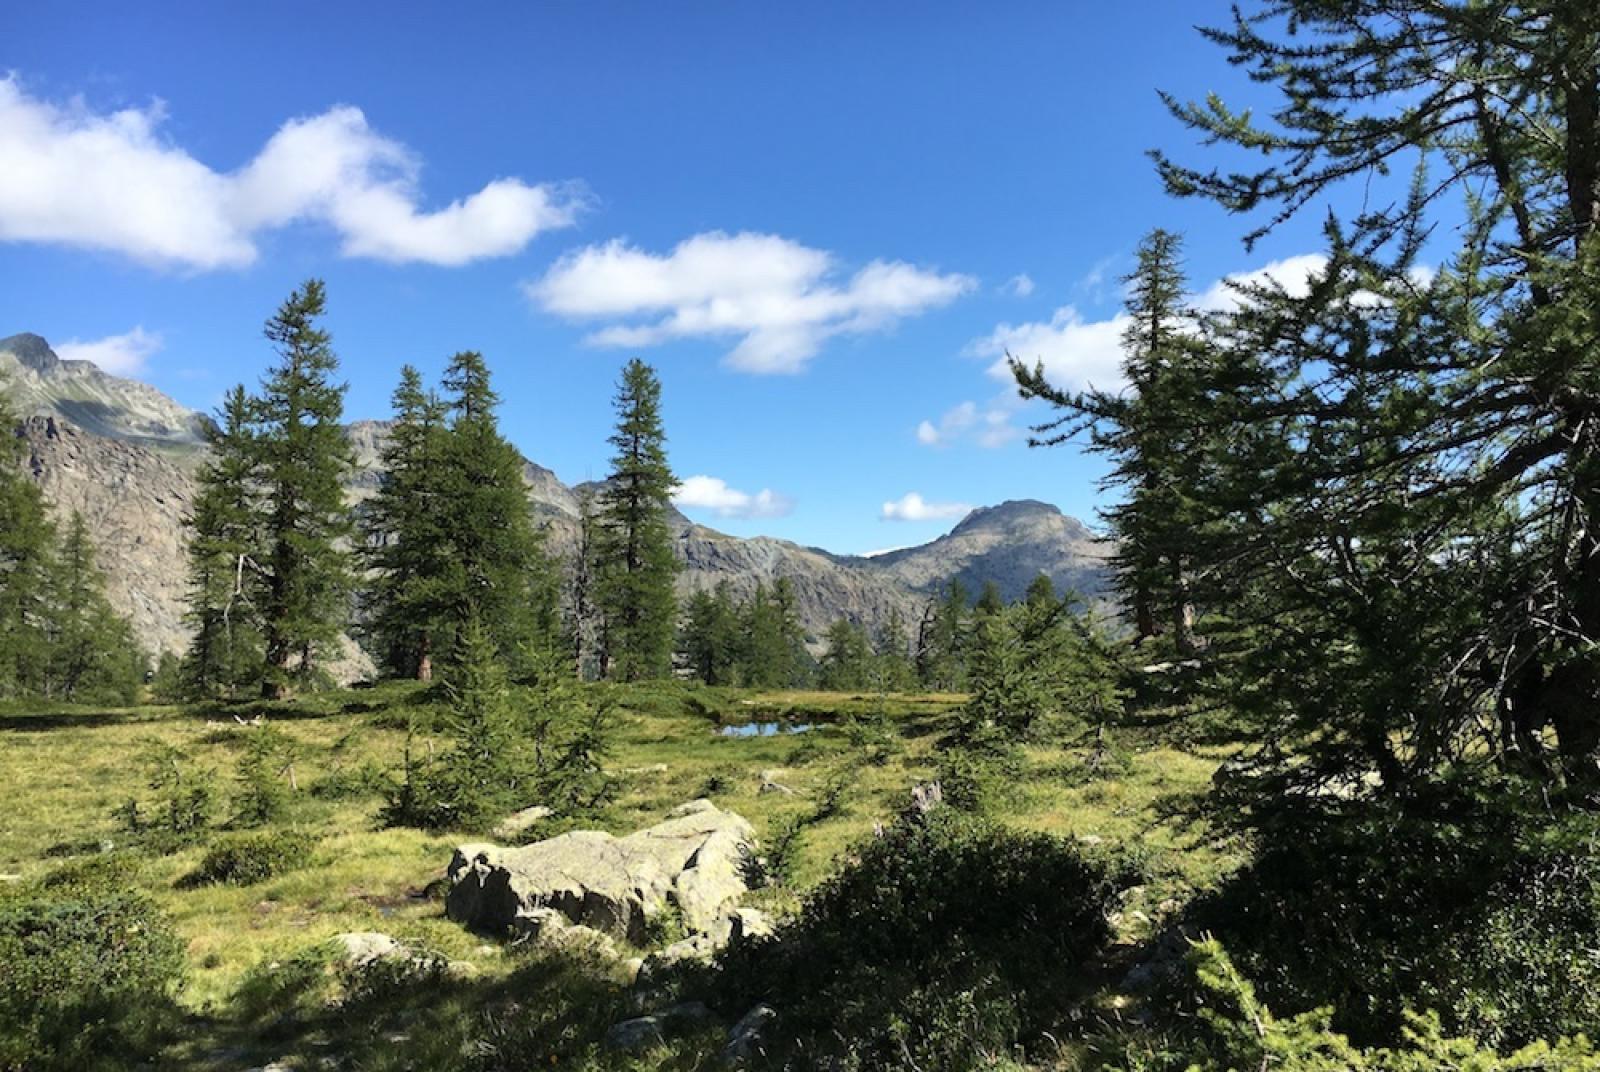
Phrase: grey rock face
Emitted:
{"points": [[613, 885]]}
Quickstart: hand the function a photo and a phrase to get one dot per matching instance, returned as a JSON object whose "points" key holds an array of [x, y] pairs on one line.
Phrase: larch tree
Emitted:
{"points": [[407, 534], [1415, 525], [499, 573], [224, 558], [637, 564], [1155, 431], [304, 457], [26, 537]]}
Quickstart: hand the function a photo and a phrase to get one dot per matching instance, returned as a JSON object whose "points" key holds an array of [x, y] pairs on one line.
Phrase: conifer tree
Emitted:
{"points": [[635, 554], [26, 536], [848, 664], [1414, 477], [225, 571], [892, 649], [774, 643], [304, 457], [92, 651], [710, 637], [407, 529], [1156, 436], [942, 640], [500, 576]]}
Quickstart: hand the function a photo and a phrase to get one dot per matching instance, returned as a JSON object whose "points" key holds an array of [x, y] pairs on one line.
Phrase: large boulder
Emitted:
{"points": [[693, 860]]}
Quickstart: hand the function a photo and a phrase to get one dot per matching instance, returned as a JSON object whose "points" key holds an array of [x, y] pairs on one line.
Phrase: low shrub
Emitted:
{"points": [[947, 942], [1463, 898], [90, 973], [246, 859]]}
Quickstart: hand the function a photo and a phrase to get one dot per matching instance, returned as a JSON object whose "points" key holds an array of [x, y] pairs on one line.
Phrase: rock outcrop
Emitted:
{"points": [[693, 860]]}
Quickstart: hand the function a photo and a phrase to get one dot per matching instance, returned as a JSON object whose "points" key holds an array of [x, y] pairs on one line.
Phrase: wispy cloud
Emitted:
{"points": [[713, 494], [987, 425], [1019, 286], [120, 355], [779, 299], [913, 507], [113, 181]]}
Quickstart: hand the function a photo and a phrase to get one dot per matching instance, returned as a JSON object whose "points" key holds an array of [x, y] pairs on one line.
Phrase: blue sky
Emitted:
{"points": [[820, 222]]}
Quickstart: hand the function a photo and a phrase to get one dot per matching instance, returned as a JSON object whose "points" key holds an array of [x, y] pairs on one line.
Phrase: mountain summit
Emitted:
{"points": [[40, 384]]}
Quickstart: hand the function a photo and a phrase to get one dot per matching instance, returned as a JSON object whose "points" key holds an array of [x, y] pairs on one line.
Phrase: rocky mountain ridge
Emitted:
{"points": [[124, 455]]}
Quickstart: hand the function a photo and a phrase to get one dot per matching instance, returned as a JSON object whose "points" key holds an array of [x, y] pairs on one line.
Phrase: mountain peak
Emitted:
{"points": [[1010, 512], [31, 350]]}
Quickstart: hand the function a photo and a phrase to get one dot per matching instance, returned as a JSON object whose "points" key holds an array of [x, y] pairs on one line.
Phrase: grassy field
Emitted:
{"points": [[67, 770]]}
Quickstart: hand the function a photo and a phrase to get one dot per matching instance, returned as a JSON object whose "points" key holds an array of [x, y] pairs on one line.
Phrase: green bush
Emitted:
{"points": [[1463, 898], [948, 941], [246, 859], [89, 973], [1237, 1030]]}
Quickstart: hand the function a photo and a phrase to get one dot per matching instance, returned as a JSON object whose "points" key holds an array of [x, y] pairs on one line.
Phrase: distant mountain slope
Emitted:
{"points": [[39, 383], [1009, 544], [124, 455]]}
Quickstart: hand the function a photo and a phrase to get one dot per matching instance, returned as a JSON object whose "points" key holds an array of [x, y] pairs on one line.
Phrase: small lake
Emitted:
{"points": [[762, 729]]}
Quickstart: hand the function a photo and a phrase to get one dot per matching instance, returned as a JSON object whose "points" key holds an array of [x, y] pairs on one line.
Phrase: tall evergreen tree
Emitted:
{"points": [[93, 653], [893, 651], [942, 640], [635, 553], [26, 537], [1157, 436], [407, 534], [710, 640], [304, 457], [774, 649], [225, 570], [500, 574], [848, 664], [1412, 513]]}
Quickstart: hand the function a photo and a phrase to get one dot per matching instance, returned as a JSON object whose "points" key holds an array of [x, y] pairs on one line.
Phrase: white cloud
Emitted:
{"points": [[989, 425], [120, 355], [779, 299], [912, 507], [1076, 353], [886, 550], [1079, 354], [1294, 274], [1019, 286], [714, 494], [114, 182]]}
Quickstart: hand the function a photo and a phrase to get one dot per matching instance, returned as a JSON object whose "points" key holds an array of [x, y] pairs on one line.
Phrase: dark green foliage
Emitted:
{"points": [[303, 458], [634, 552], [26, 537], [1159, 435], [1405, 454], [545, 742], [756, 642], [166, 684], [91, 654], [849, 664], [942, 640], [450, 535], [711, 640], [945, 943], [1240, 1031], [406, 531], [264, 776], [91, 969], [245, 859], [1464, 900], [225, 573]]}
